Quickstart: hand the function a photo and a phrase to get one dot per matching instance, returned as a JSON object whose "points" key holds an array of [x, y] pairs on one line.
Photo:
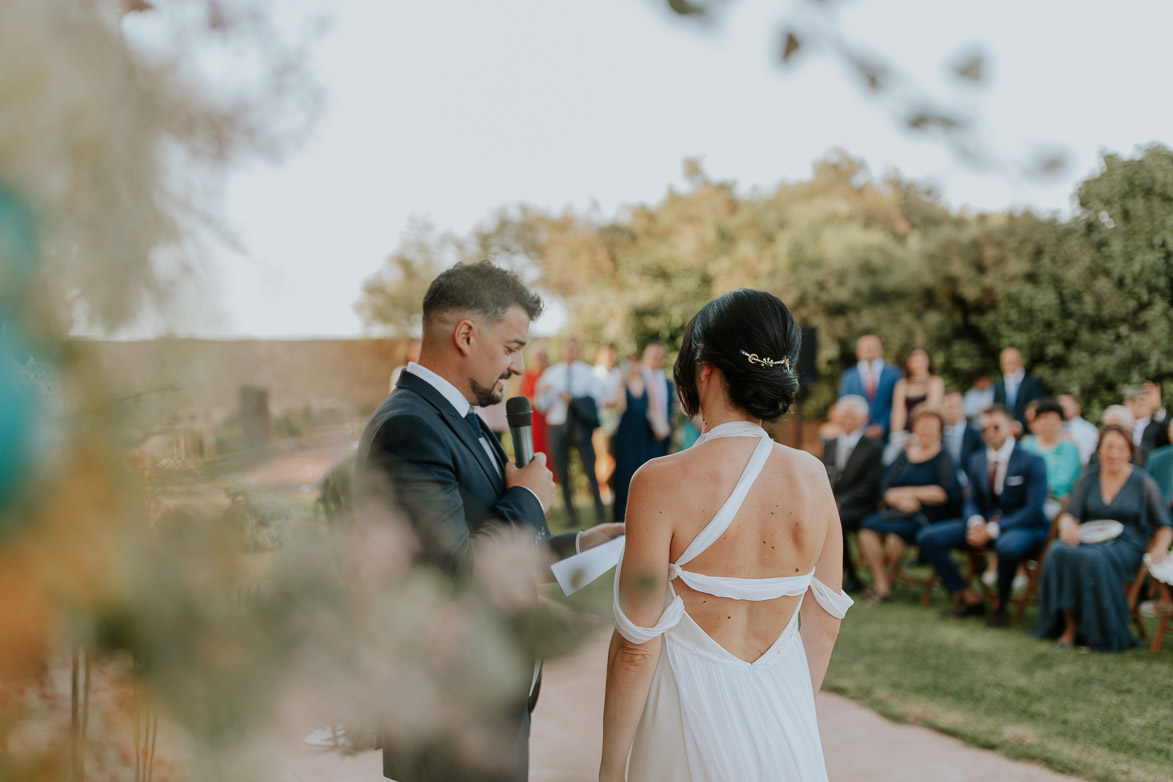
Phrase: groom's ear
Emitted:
{"points": [[463, 334]]}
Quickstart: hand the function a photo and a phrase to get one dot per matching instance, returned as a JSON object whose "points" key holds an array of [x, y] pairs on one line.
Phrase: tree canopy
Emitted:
{"points": [[1087, 299]]}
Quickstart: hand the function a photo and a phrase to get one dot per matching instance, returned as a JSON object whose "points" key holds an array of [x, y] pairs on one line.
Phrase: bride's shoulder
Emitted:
{"points": [[798, 459], [663, 472]]}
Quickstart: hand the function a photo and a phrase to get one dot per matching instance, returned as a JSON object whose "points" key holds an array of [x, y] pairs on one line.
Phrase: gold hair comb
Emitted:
{"points": [[764, 361]]}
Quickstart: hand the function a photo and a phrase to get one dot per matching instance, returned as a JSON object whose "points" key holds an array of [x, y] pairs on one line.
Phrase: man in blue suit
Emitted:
{"points": [[426, 448], [960, 439], [1003, 511], [874, 380], [1017, 388]]}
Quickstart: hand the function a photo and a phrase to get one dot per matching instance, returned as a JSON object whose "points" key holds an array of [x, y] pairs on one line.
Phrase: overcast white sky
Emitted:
{"points": [[445, 110]]}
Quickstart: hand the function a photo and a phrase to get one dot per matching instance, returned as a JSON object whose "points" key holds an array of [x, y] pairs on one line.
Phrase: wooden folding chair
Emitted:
{"points": [[1133, 590], [924, 583], [1034, 567], [1163, 625]]}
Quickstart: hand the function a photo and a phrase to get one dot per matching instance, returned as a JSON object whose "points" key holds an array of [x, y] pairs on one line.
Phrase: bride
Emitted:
{"points": [[709, 676]]}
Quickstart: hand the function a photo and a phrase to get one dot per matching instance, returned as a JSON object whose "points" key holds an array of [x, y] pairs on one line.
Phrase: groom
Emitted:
{"points": [[447, 469]]}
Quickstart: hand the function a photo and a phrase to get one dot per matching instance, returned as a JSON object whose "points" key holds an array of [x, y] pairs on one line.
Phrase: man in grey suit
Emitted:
{"points": [[427, 448]]}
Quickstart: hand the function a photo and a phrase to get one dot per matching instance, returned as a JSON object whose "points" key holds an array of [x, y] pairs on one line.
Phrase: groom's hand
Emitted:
{"points": [[535, 476], [596, 536]]}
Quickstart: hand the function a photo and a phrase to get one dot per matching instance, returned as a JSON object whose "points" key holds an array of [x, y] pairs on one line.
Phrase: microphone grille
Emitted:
{"points": [[518, 411]]}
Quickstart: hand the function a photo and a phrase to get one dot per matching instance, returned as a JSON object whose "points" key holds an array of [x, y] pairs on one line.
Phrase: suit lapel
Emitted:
{"points": [[454, 420]]}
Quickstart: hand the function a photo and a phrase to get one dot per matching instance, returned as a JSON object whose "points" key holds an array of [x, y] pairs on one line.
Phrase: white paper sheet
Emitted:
{"points": [[573, 573]]}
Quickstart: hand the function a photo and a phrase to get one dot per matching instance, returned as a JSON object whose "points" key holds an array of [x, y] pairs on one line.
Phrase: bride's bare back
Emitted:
{"points": [[780, 530]]}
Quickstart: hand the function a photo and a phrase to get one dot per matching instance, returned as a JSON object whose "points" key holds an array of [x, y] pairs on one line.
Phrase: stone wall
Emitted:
{"points": [[207, 375]]}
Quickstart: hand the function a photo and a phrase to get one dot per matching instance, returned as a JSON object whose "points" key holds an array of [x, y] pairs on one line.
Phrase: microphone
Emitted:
{"points": [[521, 428]]}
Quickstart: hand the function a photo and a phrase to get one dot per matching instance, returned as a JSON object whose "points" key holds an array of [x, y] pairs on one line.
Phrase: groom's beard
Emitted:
{"points": [[488, 396]]}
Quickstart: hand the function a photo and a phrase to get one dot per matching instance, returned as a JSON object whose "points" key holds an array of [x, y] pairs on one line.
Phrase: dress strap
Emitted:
{"points": [[745, 588], [639, 635], [715, 528], [834, 603]]}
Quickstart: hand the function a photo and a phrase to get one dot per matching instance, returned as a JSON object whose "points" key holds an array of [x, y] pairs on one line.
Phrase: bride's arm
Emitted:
{"points": [[643, 586], [819, 629]]}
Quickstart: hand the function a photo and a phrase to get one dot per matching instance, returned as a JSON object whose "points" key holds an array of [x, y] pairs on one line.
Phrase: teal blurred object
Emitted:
{"points": [[18, 251], [18, 418], [18, 258]]}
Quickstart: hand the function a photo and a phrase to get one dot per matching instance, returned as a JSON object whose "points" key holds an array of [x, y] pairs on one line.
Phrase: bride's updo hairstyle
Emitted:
{"points": [[752, 338]]}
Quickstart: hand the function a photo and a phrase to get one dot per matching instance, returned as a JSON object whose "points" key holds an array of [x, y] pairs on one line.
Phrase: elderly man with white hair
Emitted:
{"points": [[853, 465]]}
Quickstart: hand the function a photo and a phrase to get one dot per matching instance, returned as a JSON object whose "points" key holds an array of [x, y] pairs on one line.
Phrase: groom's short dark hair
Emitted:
{"points": [[480, 288]]}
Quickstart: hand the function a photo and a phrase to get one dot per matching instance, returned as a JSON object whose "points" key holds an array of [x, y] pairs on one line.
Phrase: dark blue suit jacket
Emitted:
{"points": [[1029, 390], [423, 452], [442, 477], [880, 406], [1023, 491]]}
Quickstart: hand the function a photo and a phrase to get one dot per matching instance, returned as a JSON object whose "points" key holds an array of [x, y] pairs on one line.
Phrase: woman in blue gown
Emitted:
{"points": [[634, 442], [1081, 592]]}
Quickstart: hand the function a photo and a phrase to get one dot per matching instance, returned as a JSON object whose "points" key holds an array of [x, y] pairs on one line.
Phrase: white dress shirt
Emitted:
{"points": [[578, 379], [975, 401], [1085, 435], [845, 444], [1138, 430], [1012, 383]]}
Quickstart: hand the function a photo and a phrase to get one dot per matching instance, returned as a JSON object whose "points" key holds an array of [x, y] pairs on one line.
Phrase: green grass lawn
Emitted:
{"points": [[1097, 716], [1091, 715]]}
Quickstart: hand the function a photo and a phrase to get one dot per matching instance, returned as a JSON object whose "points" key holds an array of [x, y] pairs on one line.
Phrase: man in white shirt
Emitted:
{"points": [[959, 438], [608, 380], [661, 393], [569, 395], [1082, 432], [1148, 428]]}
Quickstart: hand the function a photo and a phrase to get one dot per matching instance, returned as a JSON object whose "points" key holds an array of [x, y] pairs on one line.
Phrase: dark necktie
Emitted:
{"points": [[473, 423], [993, 476]]}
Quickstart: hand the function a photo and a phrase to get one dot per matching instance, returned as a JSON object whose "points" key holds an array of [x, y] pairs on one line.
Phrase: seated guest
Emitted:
{"points": [[960, 439], [853, 467], [980, 394], [1117, 415], [830, 429], [1081, 597], [1061, 456], [1083, 433], [875, 380], [1160, 466], [918, 386], [1017, 388], [1148, 431], [920, 488], [1003, 510]]}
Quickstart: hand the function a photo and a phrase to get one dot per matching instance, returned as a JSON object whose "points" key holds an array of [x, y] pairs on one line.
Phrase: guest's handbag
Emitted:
{"points": [[584, 410]]}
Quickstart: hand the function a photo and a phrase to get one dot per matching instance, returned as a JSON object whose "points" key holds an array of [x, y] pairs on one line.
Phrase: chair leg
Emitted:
{"points": [[1160, 634], [929, 584], [1027, 594]]}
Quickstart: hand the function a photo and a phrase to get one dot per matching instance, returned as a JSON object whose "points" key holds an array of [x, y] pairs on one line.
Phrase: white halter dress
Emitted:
{"points": [[711, 716]]}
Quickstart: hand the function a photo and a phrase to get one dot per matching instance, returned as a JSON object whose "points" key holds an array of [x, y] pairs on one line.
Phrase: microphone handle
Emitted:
{"points": [[523, 444]]}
